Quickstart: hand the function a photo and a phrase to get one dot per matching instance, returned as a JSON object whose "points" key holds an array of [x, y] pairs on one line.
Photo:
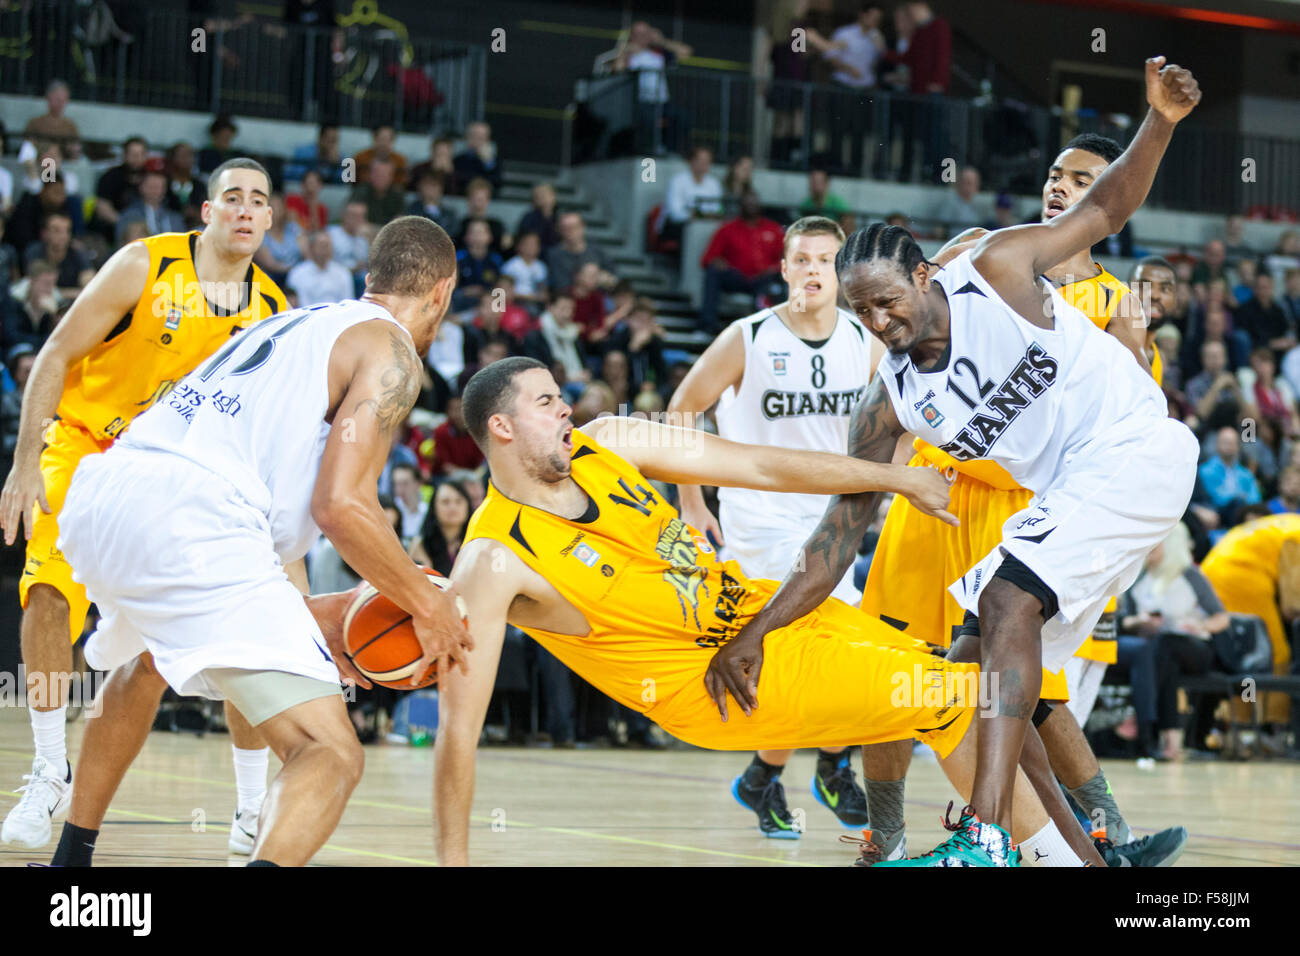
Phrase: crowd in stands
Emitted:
{"points": [[534, 285]]}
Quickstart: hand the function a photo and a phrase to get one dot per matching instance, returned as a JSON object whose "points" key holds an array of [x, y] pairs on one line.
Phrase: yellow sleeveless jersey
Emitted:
{"points": [[1098, 298], [1254, 548], [171, 329], [653, 590]]}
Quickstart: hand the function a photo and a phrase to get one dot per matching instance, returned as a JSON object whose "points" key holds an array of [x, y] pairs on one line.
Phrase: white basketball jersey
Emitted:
{"points": [[1026, 397], [254, 413], [794, 394]]}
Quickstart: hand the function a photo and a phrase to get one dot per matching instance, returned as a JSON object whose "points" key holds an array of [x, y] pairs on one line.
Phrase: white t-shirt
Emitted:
{"points": [[686, 197], [352, 251], [862, 53], [314, 284], [652, 86], [530, 277], [447, 353]]}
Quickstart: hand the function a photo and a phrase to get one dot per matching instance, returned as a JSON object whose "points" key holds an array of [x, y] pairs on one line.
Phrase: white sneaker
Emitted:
{"points": [[243, 829], [45, 799]]}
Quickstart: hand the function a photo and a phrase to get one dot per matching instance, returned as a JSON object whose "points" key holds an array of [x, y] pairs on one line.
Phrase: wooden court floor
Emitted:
{"points": [[617, 807]]}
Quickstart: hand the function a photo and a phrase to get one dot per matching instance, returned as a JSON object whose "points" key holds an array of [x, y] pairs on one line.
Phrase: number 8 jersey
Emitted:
{"points": [[1030, 399]]}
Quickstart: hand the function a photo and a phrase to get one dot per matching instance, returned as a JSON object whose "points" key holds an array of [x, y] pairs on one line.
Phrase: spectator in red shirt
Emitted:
{"points": [[306, 206], [516, 321], [453, 447], [929, 52], [589, 307], [743, 256]]}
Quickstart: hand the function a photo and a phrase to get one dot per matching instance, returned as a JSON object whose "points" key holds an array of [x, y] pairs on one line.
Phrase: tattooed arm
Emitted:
{"points": [[374, 380], [873, 432]]}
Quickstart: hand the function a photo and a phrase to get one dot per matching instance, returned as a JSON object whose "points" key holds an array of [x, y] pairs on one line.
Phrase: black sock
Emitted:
{"points": [[76, 846], [759, 772], [828, 763], [261, 863]]}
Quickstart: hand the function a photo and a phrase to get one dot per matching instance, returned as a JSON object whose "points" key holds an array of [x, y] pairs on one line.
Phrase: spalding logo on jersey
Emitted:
{"points": [[1032, 376], [797, 404]]}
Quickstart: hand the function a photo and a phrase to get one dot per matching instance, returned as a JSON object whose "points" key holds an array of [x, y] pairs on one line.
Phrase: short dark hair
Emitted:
{"points": [[126, 143], [239, 162], [490, 391], [429, 174], [222, 122], [1095, 143], [415, 472], [378, 126], [409, 256]]}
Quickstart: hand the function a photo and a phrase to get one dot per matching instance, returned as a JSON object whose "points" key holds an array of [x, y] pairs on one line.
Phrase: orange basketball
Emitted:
{"points": [[380, 640]]}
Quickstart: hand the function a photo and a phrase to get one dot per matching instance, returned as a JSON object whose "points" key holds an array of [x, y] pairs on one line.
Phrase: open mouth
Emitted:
{"points": [[812, 288], [1054, 208], [566, 438]]}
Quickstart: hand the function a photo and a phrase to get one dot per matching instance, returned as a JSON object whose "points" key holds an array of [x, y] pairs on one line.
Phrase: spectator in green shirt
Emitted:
{"points": [[821, 201]]}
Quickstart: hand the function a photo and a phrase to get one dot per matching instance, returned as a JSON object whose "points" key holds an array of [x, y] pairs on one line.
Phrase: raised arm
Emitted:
{"points": [[1012, 259], [484, 574], [873, 432], [720, 367], [376, 375], [685, 456], [111, 294]]}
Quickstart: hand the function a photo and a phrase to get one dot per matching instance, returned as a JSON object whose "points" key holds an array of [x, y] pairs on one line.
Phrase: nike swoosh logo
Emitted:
{"points": [[834, 801], [777, 820]]}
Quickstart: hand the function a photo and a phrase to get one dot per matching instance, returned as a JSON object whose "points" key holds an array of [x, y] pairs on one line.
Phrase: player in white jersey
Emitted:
{"points": [[181, 531], [987, 357], [787, 376]]}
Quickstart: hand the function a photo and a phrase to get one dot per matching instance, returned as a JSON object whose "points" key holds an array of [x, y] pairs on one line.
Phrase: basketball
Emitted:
{"points": [[380, 640]]}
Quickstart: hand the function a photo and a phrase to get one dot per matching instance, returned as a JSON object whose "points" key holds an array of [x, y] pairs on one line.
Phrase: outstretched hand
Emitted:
{"points": [[1171, 90]]}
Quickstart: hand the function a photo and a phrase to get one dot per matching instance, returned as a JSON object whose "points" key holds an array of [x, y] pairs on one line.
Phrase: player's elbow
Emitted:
{"points": [[334, 513]]}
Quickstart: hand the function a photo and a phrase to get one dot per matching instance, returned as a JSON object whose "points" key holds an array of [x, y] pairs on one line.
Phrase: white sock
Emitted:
{"points": [[50, 731], [1047, 847], [250, 775]]}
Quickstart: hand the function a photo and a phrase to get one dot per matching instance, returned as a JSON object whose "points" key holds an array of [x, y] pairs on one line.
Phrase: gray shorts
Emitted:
{"points": [[260, 695]]}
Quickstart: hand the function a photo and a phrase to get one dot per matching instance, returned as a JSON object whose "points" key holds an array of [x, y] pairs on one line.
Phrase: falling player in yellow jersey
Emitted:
{"points": [[155, 310], [572, 545], [912, 594]]}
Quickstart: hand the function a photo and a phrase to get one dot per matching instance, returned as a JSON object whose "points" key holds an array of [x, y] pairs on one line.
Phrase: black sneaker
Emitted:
{"points": [[841, 794], [1156, 849], [768, 802]]}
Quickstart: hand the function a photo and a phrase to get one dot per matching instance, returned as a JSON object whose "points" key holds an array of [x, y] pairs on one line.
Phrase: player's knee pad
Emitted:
{"points": [[1041, 713]]}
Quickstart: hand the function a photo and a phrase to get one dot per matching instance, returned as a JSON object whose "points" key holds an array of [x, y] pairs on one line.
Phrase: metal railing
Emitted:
{"points": [[361, 75], [901, 137]]}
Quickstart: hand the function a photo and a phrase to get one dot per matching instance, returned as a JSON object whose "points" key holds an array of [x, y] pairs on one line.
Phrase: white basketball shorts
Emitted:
{"points": [[183, 567], [1088, 533]]}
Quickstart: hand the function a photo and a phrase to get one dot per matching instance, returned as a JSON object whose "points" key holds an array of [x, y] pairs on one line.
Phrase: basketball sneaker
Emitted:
{"points": [[1154, 849], [45, 799], [243, 829], [840, 793], [768, 803], [876, 847], [973, 843]]}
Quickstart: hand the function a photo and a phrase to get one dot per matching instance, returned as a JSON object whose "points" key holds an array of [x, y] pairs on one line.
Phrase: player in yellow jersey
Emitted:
{"points": [[1255, 569], [912, 594], [572, 545], [155, 310], [1155, 283]]}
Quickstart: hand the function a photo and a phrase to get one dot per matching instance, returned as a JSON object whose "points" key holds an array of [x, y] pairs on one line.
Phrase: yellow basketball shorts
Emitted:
{"points": [[918, 556], [65, 446], [835, 677]]}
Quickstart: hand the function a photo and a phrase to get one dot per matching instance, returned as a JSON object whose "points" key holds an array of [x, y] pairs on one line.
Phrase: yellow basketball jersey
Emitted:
{"points": [[1253, 548], [653, 590], [171, 329]]}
